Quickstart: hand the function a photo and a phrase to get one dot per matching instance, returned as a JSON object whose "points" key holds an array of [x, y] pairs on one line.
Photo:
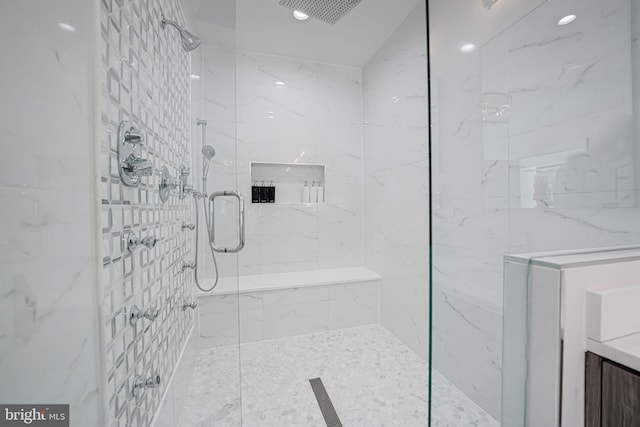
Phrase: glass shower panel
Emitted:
{"points": [[571, 140], [534, 140], [208, 381]]}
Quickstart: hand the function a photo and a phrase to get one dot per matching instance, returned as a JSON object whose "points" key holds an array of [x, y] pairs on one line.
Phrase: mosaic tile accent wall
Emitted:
{"points": [[145, 80]]}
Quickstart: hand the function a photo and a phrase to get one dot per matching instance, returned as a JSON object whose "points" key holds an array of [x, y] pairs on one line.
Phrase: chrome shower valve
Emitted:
{"points": [[151, 313], [188, 265], [139, 383], [186, 304], [132, 166], [133, 242]]}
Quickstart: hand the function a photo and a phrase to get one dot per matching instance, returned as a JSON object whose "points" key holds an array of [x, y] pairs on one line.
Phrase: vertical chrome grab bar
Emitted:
{"points": [[227, 193]]}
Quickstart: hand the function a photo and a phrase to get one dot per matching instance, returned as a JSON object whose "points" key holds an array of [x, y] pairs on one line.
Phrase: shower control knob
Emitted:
{"points": [[132, 241], [150, 242], [133, 136], [153, 381], [186, 226], [186, 304], [137, 313], [139, 383], [188, 265], [137, 166]]}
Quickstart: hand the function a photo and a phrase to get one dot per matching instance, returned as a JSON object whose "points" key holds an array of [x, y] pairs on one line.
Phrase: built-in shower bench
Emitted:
{"points": [[267, 306]]}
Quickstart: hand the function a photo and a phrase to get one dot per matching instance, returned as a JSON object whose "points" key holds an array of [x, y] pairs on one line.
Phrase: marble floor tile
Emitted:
{"points": [[373, 379]]}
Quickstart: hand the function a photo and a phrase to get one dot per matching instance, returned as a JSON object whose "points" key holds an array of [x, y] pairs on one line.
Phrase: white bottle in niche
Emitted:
{"points": [[305, 193], [314, 193], [320, 188]]}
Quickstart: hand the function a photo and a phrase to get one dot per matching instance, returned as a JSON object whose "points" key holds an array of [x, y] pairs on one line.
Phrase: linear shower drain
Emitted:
{"points": [[324, 402]]}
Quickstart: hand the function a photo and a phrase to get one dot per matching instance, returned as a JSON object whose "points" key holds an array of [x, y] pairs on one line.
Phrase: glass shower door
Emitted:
{"points": [[207, 387]]}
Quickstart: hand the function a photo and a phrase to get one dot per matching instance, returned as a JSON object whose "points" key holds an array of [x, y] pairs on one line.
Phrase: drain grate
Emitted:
{"points": [[326, 407]]}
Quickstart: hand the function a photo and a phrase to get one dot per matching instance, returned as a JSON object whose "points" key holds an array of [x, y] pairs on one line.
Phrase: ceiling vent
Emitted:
{"points": [[329, 11]]}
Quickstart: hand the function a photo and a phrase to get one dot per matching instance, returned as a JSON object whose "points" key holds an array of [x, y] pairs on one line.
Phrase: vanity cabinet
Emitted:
{"points": [[612, 394]]}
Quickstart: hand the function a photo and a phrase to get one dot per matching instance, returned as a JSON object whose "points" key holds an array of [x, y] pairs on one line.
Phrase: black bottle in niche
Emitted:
{"points": [[255, 192], [271, 193], [264, 193]]}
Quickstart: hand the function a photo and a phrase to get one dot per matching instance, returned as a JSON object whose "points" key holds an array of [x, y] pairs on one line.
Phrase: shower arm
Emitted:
{"points": [[166, 22]]}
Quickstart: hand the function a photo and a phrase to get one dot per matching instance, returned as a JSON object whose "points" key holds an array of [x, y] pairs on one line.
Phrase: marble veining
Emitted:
{"points": [[372, 378], [555, 170], [396, 170], [49, 331]]}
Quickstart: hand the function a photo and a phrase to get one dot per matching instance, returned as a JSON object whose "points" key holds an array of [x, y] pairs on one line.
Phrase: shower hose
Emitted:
{"points": [[213, 254]]}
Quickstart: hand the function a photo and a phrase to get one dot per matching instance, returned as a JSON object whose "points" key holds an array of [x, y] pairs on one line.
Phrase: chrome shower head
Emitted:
{"points": [[208, 152], [188, 39]]}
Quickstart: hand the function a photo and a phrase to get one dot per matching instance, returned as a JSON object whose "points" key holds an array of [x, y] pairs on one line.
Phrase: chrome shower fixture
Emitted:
{"points": [[207, 153], [189, 40]]}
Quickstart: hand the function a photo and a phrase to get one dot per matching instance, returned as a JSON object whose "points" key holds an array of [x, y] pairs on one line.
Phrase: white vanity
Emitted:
{"points": [[555, 305]]}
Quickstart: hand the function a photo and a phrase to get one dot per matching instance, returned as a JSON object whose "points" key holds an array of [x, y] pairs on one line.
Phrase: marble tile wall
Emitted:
{"points": [[49, 333], [533, 149], [144, 78], [312, 116], [396, 179], [271, 314]]}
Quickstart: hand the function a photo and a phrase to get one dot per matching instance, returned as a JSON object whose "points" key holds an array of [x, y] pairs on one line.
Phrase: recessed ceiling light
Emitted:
{"points": [[300, 16], [469, 47], [280, 84], [567, 20], [66, 27]]}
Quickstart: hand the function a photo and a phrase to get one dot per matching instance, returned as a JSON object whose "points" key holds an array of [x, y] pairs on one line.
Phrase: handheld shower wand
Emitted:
{"points": [[207, 154]]}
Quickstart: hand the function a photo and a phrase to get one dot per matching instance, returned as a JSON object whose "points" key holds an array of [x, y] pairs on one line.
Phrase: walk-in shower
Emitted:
{"points": [[394, 190]]}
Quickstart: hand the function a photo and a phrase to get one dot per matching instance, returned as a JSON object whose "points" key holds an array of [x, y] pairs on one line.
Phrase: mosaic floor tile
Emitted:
{"points": [[373, 380]]}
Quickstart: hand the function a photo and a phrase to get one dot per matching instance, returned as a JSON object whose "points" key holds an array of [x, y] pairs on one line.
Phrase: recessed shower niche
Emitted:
{"points": [[292, 183]]}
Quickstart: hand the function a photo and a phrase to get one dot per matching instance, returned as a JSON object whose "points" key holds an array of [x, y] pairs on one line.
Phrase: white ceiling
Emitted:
{"points": [[264, 26]]}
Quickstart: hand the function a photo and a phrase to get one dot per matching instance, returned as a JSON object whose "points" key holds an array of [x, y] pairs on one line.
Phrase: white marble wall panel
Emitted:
{"points": [[554, 170], [49, 263], [290, 110], [354, 304], [218, 321], [396, 180], [635, 81], [271, 314], [476, 352]]}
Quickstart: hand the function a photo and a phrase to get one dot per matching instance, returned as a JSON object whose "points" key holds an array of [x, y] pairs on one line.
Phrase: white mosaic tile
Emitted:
{"points": [[145, 80], [372, 378]]}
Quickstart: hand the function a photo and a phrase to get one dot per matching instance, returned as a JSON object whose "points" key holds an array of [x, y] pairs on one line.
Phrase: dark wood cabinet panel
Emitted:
{"points": [[620, 396], [593, 390]]}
